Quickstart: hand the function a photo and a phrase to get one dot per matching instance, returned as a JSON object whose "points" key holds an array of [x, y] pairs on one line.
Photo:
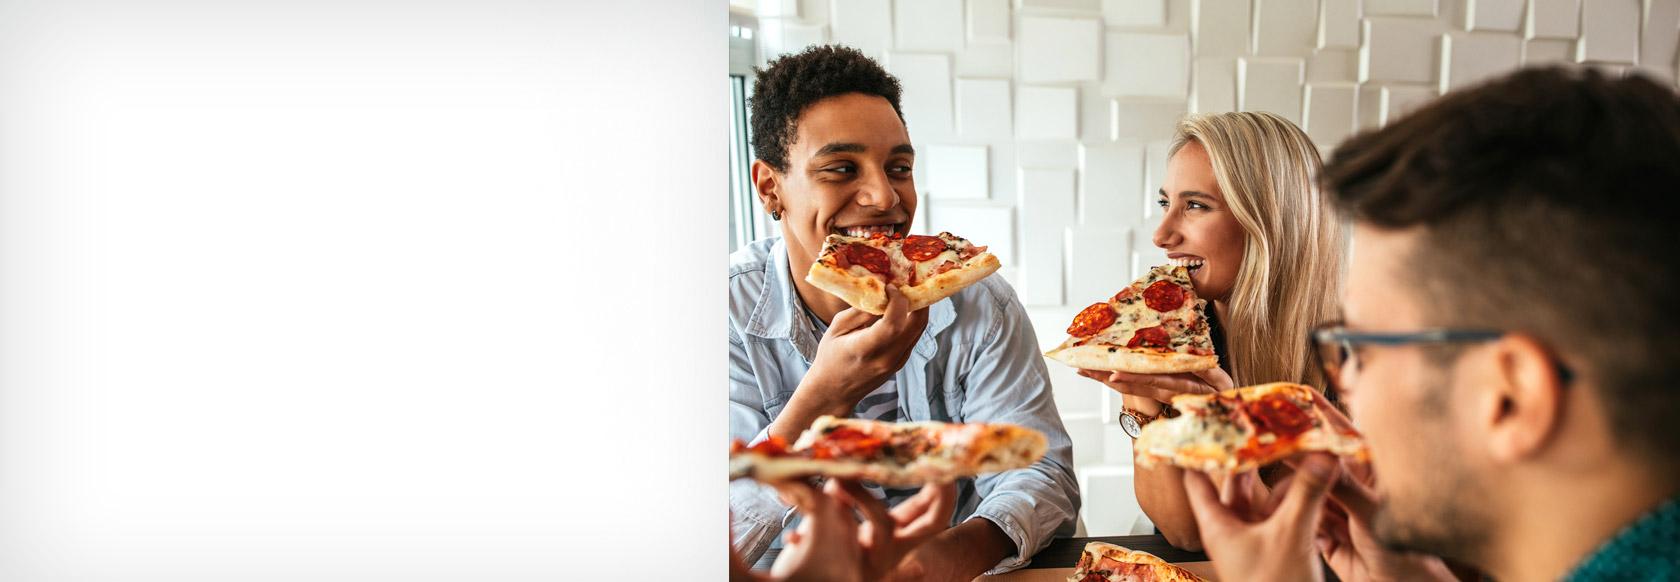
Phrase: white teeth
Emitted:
{"points": [[1189, 263], [868, 231]]}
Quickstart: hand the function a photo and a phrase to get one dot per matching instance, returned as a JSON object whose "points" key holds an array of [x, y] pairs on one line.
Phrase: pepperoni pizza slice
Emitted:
{"points": [[1105, 562], [1244, 428], [1153, 326], [896, 454], [925, 268]]}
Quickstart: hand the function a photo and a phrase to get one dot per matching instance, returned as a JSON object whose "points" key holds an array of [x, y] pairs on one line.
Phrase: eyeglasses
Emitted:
{"points": [[1336, 347]]}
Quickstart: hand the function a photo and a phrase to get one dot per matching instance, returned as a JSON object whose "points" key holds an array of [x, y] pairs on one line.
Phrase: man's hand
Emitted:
{"points": [[889, 535], [857, 354], [824, 547], [1270, 536], [1162, 387], [830, 545], [1345, 540]]}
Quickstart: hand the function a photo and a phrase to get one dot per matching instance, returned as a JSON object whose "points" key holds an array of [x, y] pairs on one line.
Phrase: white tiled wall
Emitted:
{"points": [[1043, 124]]}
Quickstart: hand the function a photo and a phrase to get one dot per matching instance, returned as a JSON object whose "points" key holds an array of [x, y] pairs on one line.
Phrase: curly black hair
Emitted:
{"points": [[791, 83]]}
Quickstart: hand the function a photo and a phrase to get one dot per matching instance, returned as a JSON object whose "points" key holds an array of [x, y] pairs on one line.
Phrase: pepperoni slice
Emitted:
{"points": [[922, 248], [1092, 320], [1150, 337], [847, 443], [1125, 294], [869, 257], [1164, 296], [774, 446], [1279, 416]]}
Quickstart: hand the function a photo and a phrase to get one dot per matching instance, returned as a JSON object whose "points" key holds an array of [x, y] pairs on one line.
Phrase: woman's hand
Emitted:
{"points": [[1162, 387]]}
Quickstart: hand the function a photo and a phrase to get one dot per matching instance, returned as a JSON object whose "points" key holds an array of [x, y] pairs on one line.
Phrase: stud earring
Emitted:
{"points": [[775, 215]]}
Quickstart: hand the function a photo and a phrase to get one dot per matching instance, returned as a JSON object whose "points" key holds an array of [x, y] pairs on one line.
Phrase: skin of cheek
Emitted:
{"points": [[1212, 233], [1225, 241]]}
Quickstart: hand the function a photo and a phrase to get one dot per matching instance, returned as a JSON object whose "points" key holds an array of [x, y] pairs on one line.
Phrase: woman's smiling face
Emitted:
{"points": [[1197, 227]]}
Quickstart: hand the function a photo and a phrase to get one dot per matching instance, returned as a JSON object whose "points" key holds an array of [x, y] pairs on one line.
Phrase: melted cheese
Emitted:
{"points": [[1135, 314], [905, 271]]}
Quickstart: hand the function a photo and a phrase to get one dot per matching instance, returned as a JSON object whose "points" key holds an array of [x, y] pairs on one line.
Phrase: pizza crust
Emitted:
{"points": [[1121, 359], [869, 293], [866, 293], [950, 282], [1190, 442], [968, 450]]}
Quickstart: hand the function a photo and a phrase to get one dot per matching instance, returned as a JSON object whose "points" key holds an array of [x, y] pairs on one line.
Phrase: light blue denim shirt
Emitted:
{"points": [[977, 361]]}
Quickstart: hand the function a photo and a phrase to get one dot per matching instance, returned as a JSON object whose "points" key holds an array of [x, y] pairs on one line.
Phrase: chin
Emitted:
{"points": [[1454, 530]]}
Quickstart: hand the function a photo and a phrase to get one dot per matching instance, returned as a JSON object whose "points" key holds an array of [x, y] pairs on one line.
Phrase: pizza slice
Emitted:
{"points": [[890, 453], [1154, 326], [925, 268], [1105, 562], [1244, 428]]}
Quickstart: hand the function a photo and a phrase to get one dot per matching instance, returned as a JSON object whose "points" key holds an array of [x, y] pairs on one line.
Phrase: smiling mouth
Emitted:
{"points": [[869, 230], [1190, 264]]}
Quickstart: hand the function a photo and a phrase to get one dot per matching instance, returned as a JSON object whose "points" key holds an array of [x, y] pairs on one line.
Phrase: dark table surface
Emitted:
{"points": [[1064, 552]]}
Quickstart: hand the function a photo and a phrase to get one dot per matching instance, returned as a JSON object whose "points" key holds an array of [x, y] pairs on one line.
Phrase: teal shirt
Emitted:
{"points": [[1648, 549]]}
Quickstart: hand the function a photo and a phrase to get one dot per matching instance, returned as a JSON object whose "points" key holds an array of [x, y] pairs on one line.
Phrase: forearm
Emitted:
{"points": [[1160, 492], [980, 545], [806, 405]]}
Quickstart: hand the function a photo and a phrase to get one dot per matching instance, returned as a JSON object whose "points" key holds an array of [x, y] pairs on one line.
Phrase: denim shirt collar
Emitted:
{"points": [[779, 313]]}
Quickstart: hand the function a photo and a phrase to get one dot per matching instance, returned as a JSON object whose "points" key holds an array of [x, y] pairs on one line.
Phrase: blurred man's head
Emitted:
{"points": [[834, 156], [1541, 205]]}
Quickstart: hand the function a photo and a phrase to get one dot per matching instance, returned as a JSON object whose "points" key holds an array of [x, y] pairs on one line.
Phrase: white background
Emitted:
{"points": [[361, 290]]}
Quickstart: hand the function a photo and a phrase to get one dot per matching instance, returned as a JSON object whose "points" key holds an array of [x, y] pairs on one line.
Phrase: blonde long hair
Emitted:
{"points": [[1291, 273]]}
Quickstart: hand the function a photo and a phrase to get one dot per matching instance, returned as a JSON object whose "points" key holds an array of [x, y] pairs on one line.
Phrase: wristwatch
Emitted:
{"points": [[1132, 421]]}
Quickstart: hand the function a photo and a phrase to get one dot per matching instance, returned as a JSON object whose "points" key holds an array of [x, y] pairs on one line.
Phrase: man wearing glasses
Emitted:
{"points": [[1509, 351]]}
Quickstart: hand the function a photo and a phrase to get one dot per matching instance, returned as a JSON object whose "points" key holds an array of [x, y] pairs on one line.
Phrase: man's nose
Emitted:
{"points": [[877, 191]]}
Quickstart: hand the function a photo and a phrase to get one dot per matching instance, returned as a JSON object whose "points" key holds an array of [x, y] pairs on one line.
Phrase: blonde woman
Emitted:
{"points": [[1242, 210]]}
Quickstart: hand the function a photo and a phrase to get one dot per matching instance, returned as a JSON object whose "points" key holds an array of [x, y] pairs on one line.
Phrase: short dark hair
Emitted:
{"points": [[789, 84], [1549, 203]]}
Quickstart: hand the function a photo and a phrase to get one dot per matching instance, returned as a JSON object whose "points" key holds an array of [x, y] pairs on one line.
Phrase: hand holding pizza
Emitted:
{"points": [[858, 353], [831, 545], [1344, 536], [1345, 540], [1270, 537], [890, 535], [1163, 387]]}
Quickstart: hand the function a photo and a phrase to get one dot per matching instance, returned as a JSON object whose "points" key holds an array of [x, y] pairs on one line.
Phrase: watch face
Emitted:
{"points": [[1130, 424]]}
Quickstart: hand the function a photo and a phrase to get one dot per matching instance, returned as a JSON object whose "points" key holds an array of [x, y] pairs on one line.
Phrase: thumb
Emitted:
{"points": [[1311, 483], [1216, 378]]}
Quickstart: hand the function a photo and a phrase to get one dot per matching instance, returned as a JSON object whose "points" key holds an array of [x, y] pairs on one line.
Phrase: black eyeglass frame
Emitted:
{"points": [[1336, 334]]}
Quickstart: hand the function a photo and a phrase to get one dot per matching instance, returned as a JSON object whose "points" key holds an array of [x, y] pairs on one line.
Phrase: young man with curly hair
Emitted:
{"points": [[834, 157]]}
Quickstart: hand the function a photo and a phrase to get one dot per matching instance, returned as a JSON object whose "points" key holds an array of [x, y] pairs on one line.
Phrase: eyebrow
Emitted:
{"points": [[1191, 193], [855, 148]]}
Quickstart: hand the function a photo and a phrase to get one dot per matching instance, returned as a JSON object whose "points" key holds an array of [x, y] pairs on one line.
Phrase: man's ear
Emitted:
{"points": [[767, 182], [1530, 406]]}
